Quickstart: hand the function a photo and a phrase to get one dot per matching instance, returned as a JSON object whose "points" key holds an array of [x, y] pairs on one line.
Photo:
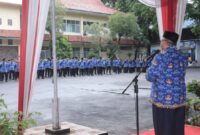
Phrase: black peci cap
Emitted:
{"points": [[172, 36]]}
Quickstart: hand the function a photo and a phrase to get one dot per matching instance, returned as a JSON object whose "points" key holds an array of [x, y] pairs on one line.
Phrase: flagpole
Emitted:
{"points": [[56, 123], [56, 128]]}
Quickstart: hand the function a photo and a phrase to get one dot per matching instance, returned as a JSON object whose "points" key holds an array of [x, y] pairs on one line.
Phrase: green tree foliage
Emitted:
{"points": [[110, 3], [60, 12], [124, 5], [97, 30], [96, 50], [125, 25], [129, 55], [194, 87], [63, 48], [193, 12], [146, 18], [112, 50], [121, 5]]}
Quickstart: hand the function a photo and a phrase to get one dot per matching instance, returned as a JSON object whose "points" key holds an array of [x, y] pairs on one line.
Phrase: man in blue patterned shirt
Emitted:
{"points": [[168, 92]]}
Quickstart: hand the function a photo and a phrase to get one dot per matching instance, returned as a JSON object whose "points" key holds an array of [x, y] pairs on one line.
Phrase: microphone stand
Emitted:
{"points": [[135, 81], [136, 90]]}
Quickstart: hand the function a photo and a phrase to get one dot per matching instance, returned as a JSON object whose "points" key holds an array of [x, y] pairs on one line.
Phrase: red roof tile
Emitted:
{"points": [[95, 6]]}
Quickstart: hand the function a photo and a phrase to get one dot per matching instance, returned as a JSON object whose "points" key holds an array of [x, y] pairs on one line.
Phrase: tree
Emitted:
{"points": [[121, 5], [124, 5], [193, 13], [142, 41], [60, 12], [147, 20], [110, 3], [63, 48], [98, 31], [125, 25], [129, 55], [112, 50]]}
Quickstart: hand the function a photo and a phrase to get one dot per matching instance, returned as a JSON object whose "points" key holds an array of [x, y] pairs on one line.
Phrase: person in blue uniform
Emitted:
{"points": [[125, 66], [12, 65], [131, 66], [168, 92], [4, 70], [81, 66], [103, 66], [47, 65], [58, 66], [41, 69], [90, 67], [1, 72], [108, 66], [16, 70], [99, 66], [66, 67]]}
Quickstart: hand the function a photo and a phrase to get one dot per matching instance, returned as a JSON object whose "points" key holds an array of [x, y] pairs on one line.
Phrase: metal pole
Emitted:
{"points": [[56, 123], [137, 106]]}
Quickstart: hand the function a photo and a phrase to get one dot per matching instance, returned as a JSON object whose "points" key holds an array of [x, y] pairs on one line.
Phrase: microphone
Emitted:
{"points": [[152, 55]]}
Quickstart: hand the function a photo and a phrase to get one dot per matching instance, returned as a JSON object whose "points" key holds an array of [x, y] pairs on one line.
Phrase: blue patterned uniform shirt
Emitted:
{"points": [[167, 74]]}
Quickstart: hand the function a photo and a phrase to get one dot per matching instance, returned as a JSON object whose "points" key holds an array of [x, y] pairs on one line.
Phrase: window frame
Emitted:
{"points": [[10, 22], [72, 26], [1, 41], [10, 42], [0, 21]]}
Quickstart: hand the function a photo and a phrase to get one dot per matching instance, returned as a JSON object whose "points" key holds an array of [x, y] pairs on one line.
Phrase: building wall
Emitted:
{"points": [[9, 52], [82, 18], [10, 12], [5, 42]]}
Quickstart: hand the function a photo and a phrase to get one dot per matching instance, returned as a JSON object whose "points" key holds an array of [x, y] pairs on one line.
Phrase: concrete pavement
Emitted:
{"points": [[93, 101]]}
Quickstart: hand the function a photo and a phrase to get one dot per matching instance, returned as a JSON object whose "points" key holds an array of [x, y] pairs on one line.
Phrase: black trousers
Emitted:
{"points": [[168, 121]]}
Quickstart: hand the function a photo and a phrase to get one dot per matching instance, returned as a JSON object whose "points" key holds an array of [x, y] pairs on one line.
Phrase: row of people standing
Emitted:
{"points": [[84, 66], [9, 70]]}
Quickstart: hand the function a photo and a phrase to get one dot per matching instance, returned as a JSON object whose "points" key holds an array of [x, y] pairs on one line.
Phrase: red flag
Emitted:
{"points": [[170, 14]]}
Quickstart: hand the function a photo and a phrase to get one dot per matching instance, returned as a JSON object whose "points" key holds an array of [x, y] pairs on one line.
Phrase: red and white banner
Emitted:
{"points": [[34, 17], [170, 14], [151, 3]]}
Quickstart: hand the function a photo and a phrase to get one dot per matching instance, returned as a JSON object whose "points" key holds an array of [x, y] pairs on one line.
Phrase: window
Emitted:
{"points": [[0, 21], [1, 42], [10, 42], [86, 52], [125, 47], [9, 22], [86, 25], [72, 26], [76, 52]]}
